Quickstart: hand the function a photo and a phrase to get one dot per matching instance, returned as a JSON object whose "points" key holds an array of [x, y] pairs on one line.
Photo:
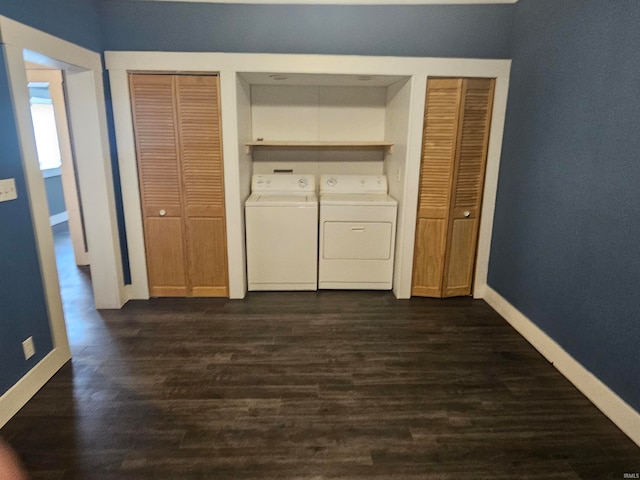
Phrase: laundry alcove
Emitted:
{"points": [[314, 114]]}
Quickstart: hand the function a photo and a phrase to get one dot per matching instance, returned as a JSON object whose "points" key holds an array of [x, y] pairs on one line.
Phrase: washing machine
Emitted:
{"points": [[357, 232], [281, 220]]}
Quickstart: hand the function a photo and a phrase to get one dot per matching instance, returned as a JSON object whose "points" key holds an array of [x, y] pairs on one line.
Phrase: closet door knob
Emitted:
{"points": [[162, 212], [466, 213]]}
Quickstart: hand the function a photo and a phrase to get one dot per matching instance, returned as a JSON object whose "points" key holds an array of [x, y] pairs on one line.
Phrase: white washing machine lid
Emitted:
{"points": [[260, 199], [357, 199]]}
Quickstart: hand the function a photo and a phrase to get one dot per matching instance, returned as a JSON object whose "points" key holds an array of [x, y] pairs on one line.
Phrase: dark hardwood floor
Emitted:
{"points": [[317, 385]]}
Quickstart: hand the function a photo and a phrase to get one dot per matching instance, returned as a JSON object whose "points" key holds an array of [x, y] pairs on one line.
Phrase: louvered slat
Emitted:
{"points": [[473, 143], [201, 145], [153, 111], [439, 143]]}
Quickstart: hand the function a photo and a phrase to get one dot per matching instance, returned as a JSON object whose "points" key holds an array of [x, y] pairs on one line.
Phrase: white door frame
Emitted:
{"points": [[87, 120]]}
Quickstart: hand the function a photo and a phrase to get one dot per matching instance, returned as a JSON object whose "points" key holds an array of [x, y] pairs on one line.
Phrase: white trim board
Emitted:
{"points": [[230, 67], [17, 396], [608, 402], [349, 2]]}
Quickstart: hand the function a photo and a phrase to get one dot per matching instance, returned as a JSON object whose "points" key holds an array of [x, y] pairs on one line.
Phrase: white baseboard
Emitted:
{"points": [[17, 396], [58, 218], [617, 410]]}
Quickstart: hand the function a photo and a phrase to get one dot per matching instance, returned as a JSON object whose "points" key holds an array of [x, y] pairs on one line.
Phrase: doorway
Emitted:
{"points": [[55, 157], [87, 148], [55, 154], [87, 119]]}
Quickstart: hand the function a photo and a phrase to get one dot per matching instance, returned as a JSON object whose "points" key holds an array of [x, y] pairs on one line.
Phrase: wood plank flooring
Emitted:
{"points": [[309, 385]]}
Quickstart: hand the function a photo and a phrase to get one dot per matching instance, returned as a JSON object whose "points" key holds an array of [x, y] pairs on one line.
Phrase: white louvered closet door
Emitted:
{"points": [[454, 151]]}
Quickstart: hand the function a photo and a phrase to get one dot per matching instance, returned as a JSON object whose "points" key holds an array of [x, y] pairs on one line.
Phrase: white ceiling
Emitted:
{"points": [[346, 2]]}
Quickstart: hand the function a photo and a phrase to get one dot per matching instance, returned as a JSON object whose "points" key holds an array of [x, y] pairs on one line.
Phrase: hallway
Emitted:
{"points": [[76, 290]]}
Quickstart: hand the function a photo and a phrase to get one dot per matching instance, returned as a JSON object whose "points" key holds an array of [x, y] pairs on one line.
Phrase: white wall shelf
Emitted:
{"points": [[388, 147]]}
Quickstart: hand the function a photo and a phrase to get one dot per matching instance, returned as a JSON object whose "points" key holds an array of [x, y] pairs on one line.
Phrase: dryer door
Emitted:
{"points": [[357, 240]]}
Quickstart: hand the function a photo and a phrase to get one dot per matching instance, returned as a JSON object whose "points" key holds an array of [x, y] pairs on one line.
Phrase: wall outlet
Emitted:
{"points": [[8, 189], [29, 348]]}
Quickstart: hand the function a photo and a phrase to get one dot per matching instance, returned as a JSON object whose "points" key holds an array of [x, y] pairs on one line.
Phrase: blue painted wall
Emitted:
{"points": [[566, 248], [480, 31], [73, 20], [55, 195], [23, 311]]}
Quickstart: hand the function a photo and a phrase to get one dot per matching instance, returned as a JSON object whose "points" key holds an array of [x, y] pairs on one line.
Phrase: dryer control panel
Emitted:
{"points": [[353, 184]]}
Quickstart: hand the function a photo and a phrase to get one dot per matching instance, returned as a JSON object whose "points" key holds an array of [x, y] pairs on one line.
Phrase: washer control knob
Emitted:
{"points": [[303, 182], [332, 182]]}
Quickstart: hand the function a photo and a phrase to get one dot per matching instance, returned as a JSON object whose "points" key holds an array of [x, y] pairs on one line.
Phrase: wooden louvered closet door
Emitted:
{"points": [[454, 152], [179, 151]]}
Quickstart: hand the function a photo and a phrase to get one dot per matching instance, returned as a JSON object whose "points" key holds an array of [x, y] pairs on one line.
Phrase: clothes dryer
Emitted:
{"points": [[357, 232]]}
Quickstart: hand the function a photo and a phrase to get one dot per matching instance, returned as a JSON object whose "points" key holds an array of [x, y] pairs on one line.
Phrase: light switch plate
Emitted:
{"points": [[8, 189], [29, 348]]}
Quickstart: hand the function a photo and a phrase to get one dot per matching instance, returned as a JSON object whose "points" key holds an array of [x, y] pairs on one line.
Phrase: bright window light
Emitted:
{"points": [[44, 127]]}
